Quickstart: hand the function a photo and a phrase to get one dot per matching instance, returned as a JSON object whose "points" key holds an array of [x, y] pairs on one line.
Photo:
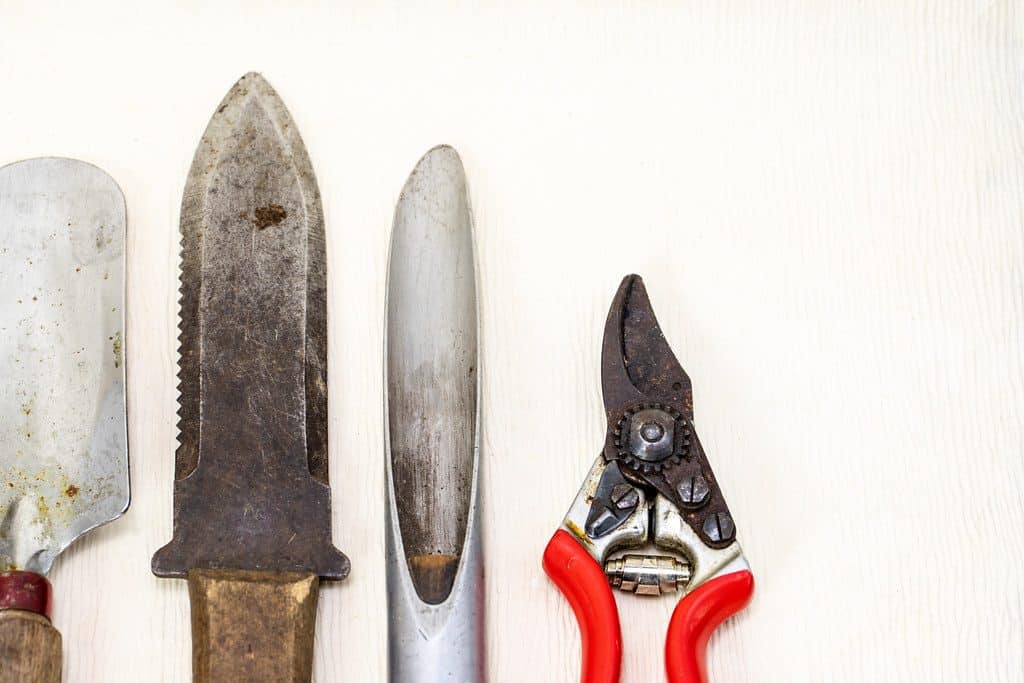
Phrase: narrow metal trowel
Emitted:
{"points": [[63, 435], [432, 414]]}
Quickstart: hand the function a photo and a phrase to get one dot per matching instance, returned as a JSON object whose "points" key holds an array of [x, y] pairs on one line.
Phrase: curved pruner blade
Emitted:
{"points": [[637, 364]]}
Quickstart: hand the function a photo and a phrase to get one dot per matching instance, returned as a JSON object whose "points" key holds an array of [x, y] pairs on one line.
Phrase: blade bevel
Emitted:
{"points": [[251, 488]]}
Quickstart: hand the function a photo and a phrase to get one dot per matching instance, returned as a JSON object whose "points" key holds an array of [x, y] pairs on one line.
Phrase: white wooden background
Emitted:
{"points": [[824, 197]]}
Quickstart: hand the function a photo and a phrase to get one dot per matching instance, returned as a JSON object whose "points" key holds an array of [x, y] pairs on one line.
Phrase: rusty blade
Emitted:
{"points": [[251, 469], [637, 363]]}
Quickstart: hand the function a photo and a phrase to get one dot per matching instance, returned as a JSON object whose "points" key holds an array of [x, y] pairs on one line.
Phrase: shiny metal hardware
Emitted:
{"points": [[647, 574]]}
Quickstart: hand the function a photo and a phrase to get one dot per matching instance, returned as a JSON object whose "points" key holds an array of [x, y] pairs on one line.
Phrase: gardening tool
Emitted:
{"points": [[63, 431], [650, 518], [432, 416], [252, 525]]}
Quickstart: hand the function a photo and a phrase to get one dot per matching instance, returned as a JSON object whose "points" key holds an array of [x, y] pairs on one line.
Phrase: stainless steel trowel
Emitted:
{"points": [[63, 438]]}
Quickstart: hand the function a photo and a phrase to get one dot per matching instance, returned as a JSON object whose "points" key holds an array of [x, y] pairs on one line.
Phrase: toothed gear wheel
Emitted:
{"points": [[651, 437]]}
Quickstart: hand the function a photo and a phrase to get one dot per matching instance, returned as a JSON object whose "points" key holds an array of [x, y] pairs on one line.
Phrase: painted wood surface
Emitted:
{"points": [[824, 199]]}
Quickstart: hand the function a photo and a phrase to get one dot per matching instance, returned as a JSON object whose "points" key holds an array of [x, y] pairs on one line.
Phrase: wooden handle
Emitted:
{"points": [[252, 626], [30, 648]]}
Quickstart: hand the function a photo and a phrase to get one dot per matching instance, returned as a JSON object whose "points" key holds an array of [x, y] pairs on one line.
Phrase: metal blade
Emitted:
{"points": [[63, 437], [645, 388], [432, 415], [637, 364], [251, 489]]}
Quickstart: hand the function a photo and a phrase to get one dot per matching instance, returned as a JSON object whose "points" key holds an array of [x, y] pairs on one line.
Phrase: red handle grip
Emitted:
{"points": [[583, 583], [696, 617]]}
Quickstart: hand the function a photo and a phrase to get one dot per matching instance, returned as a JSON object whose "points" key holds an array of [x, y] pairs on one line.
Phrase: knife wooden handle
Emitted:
{"points": [[30, 648], [252, 626]]}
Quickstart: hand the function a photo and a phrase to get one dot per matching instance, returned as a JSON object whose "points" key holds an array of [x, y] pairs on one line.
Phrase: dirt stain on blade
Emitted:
{"points": [[252, 460]]}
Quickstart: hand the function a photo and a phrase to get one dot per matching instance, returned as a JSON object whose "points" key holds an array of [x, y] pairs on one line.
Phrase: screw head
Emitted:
{"points": [[718, 527], [694, 490], [625, 496], [651, 432]]}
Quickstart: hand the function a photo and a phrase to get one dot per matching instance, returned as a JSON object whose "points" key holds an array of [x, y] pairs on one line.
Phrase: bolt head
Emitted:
{"points": [[694, 490], [652, 435], [651, 432], [719, 527], [625, 496]]}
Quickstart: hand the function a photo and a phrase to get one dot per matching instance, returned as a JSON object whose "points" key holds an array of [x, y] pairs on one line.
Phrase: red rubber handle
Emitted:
{"points": [[583, 583], [696, 617]]}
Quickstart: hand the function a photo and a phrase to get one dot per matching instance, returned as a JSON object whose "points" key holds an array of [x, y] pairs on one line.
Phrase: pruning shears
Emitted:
{"points": [[650, 518]]}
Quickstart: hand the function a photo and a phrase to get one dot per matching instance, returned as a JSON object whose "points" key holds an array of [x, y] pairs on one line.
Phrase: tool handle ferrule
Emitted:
{"points": [[584, 584], [695, 619], [26, 591]]}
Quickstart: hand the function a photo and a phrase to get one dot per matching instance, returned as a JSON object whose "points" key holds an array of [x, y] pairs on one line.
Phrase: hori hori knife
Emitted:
{"points": [[252, 527]]}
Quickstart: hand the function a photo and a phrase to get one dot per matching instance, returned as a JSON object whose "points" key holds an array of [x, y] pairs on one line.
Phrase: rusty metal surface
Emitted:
{"points": [[63, 432], [641, 378], [251, 488], [432, 414]]}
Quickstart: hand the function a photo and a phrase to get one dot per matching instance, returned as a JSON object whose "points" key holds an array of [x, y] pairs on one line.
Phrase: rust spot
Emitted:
{"points": [[118, 350], [433, 576], [269, 215], [71, 491]]}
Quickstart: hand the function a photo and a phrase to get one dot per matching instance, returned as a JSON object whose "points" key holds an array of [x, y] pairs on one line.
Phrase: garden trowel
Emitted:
{"points": [[63, 438]]}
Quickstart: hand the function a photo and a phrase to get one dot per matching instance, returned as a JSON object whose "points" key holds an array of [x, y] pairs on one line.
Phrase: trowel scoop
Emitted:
{"points": [[63, 438]]}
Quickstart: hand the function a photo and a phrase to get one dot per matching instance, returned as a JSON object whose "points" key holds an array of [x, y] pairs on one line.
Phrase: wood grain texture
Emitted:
{"points": [[825, 199], [252, 626], [30, 648]]}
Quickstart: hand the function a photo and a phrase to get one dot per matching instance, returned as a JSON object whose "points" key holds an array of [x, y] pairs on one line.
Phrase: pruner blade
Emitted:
{"points": [[637, 364]]}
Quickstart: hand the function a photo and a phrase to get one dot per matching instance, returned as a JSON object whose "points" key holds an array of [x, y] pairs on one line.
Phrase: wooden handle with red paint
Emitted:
{"points": [[30, 647], [695, 619], [583, 583]]}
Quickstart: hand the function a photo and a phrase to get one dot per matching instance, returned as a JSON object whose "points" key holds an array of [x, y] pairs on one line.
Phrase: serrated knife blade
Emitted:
{"points": [[252, 529]]}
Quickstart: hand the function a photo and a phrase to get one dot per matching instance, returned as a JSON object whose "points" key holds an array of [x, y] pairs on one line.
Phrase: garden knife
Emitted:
{"points": [[432, 416], [63, 438], [252, 526]]}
